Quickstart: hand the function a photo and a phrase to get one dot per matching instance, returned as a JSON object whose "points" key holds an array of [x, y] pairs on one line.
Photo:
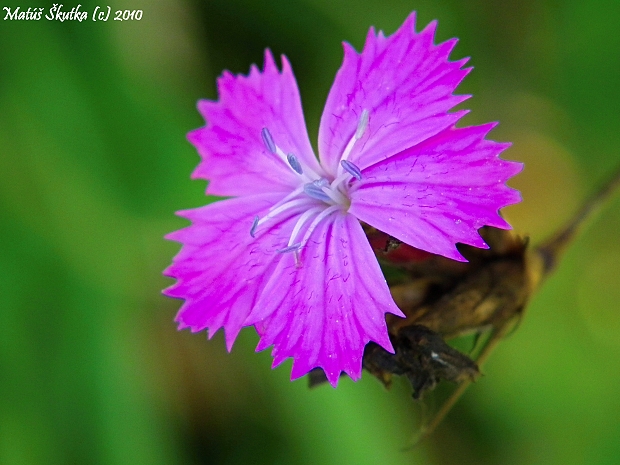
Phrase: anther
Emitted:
{"points": [[294, 162], [352, 169], [268, 140], [362, 125], [314, 191], [254, 226]]}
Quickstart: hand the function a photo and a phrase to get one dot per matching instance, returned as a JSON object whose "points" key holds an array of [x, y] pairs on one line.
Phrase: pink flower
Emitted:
{"points": [[287, 253]]}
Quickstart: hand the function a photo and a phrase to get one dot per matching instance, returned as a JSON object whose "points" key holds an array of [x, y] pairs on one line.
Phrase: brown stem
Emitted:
{"points": [[552, 249]]}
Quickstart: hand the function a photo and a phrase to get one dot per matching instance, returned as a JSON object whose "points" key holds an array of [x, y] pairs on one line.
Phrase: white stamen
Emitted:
{"points": [[335, 195], [285, 206], [281, 154], [362, 125], [347, 149], [317, 220], [290, 248], [314, 198], [359, 132], [301, 221], [339, 181], [290, 196], [307, 174], [271, 145]]}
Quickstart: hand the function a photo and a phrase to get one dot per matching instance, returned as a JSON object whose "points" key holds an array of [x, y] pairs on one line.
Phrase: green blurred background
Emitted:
{"points": [[94, 161]]}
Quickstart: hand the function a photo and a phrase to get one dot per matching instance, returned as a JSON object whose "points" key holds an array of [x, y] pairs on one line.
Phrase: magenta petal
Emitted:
{"points": [[234, 157], [287, 254], [221, 269], [324, 312], [439, 192], [404, 82]]}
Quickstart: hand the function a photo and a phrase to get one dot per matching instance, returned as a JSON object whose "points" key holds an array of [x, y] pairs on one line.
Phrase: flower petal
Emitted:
{"points": [[440, 192], [234, 156], [404, 82], [221, 269], [325, 311]]}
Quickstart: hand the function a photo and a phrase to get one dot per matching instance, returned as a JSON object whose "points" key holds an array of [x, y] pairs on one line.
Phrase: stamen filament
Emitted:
{"points": [[286, 206], [290, 196], [359, 132], [317, 220], [290, 248], [336, 183], [335, 195], [307, 176], [281, 154], [347, 149], [290, 160], [362, 125], [273, 148], [301, 221]]}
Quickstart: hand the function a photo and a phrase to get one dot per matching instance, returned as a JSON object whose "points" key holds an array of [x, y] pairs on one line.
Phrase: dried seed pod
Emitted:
{"points": [[443, 299]]}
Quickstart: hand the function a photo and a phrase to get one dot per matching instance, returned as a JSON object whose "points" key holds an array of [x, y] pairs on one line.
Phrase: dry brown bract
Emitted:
{"points": [[444, 299]]}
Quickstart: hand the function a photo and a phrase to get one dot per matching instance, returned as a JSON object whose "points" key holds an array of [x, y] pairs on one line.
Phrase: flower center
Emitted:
{"points": [[316, 197]]}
